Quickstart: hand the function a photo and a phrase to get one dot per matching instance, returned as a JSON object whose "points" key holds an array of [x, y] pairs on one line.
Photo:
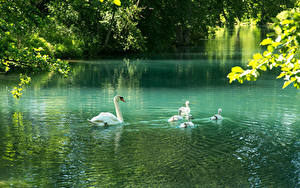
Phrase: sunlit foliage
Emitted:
{"points": [[282, 52], [35, 34], [21, 50]]}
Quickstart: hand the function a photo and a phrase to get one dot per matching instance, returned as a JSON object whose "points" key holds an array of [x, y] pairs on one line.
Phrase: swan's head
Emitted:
{"points": [[187, 103], [219, 111], [119, 98], [122, 99]]}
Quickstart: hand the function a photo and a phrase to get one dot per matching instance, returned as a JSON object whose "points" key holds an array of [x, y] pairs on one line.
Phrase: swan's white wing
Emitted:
{"points": [[175, 118], [181, 109], [106, 117], [184, 111]]}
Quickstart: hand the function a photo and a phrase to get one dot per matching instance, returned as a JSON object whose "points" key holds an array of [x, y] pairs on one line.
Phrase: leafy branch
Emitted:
{"points": [[282, 52], [25, 58]]}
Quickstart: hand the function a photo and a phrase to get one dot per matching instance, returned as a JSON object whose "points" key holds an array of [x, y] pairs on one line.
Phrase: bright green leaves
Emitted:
{"points": [[17, 91], [32, 60], [291, 80], [116, 2], [283, 53], [286, 83], [257, 56], [266, 41], [263, 68], [4, 65], [25, 57], [259, 61], [286, 22], [24, 80], [235, 74], [237, 70]]}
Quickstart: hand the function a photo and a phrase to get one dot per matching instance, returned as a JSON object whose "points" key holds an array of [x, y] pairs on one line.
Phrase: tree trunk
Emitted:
{"points": [[110, 29]]}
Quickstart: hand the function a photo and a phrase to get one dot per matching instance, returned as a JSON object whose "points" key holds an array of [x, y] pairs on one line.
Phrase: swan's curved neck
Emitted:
{"points": [[118, 111]]}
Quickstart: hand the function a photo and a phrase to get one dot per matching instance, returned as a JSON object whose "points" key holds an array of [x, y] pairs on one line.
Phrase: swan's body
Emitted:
{"points": [[182, 112], [175, 118], [185, 111], [188, 123], [217, 116], [107, 118]]}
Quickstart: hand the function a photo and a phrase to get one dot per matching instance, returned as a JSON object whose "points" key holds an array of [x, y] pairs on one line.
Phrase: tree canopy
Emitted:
{"points": [[21, 49]]}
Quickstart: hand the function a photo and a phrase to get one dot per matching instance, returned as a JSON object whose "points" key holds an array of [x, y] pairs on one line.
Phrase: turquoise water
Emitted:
{"points": [[46, 140]]}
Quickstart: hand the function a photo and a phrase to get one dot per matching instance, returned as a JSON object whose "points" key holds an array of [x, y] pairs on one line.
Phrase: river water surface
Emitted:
{"points": [[46, 140]]}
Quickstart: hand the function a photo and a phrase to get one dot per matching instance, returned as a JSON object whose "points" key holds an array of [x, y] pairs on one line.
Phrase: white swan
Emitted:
{"points": [[217, 116], [175, 118], [182, 112], [106, 118], [185, 111], [188, 123]]}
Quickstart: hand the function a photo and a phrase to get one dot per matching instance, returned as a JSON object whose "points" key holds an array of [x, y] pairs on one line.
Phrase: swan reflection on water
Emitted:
{"points": [[104, 134]]}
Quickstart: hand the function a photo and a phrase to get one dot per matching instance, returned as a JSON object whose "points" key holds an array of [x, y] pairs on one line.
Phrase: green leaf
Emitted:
{"points": [[278, 30], [237, 69], [284, 22], [281, 75], [275, 44], [282, 15], [257, 56], [253, 63], [263, 68], [270, 48], [117, 2], [266, 53], [286, 83], [266, 42]]}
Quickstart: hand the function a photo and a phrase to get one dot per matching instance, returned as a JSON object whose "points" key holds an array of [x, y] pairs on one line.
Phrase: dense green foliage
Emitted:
{"points": [[282, 52], [85, 28], [21, 49], [35, 33]]}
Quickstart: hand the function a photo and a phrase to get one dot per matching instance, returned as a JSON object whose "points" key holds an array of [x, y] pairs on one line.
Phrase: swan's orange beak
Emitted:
{"points": [[122, 99]]}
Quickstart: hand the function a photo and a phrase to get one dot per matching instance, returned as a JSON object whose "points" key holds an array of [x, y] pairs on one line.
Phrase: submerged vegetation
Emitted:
{"points": [[36, 34]]}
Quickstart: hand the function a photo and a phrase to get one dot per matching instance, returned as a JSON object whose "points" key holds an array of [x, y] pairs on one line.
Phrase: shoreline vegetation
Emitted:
{"points": [[35, 35]]}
